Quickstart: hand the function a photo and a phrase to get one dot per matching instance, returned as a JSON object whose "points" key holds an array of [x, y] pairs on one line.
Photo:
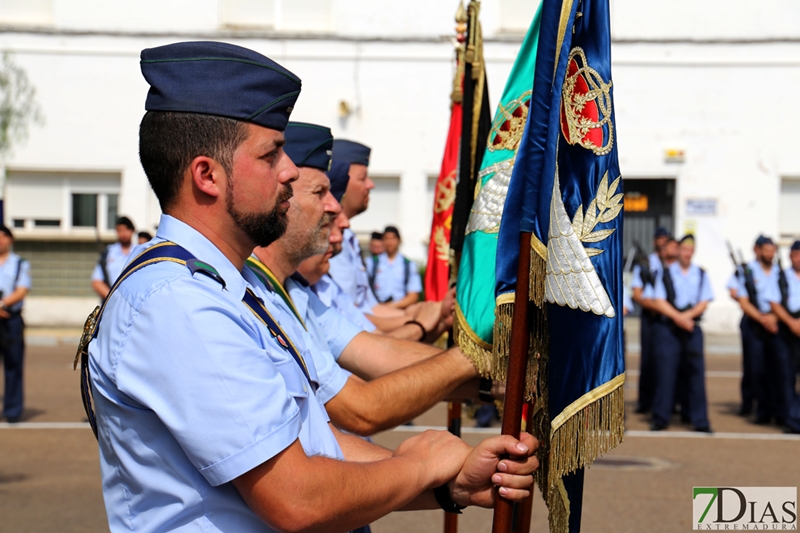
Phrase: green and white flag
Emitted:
{"points": [[475, 296]]}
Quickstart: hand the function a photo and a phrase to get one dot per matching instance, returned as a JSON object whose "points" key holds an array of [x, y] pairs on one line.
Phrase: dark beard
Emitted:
{"points": [[262, 228], [765, 262]]}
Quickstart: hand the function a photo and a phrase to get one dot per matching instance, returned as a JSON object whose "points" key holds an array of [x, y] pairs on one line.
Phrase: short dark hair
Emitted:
{"points": [[125, 221], [376, 235], [169, 141], [146, 235], [392, 229]]}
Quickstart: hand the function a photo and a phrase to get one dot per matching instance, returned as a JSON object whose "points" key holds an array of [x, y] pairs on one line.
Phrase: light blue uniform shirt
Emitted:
{"points": [[390, 277], [349, 271], [636, 273], [14, 273], [761, 280], [333, 296], [192, 391], [116, 259], [330, 333], [773, 291], [688, 291]]}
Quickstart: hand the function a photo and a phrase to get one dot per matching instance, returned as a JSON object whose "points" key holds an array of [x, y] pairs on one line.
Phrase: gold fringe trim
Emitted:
{"points": [[501, 339], [585, 430], [538, 274], [473, 347], [589, 431]]}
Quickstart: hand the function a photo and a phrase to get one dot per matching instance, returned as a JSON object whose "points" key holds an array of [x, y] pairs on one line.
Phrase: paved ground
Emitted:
{"points": [[49, 473]]}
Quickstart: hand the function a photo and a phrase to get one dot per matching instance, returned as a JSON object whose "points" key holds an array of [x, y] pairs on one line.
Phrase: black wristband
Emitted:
{"points": [[442, 495], [485, 390], [424, 331]]}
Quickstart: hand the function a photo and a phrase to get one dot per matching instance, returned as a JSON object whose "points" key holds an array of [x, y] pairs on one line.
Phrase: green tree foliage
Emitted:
{"points": [[18, 106]]}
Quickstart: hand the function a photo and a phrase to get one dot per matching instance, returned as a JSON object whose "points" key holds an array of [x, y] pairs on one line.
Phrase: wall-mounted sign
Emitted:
{"points": [[635, 202], [674, 155], [701, 207]]}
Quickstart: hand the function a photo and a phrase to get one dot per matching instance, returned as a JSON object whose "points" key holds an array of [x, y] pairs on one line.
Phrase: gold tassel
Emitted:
{"points": [[503, 315], [473, 347]]}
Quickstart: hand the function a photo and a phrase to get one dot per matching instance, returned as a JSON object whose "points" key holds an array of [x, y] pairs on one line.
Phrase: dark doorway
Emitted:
{"points": [[649, 203]]}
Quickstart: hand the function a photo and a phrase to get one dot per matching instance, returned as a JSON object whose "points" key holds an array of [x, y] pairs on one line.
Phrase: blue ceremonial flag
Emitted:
{"points": [[567, 192]]}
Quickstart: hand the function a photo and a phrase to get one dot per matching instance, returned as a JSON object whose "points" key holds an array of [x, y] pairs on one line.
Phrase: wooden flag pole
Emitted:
{"points": [[517, 364], [522, 524], [454, 426]]}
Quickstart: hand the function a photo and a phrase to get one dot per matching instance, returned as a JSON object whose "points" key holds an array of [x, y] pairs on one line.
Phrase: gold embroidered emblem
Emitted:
{"points": [[509, 123], [603, 208], [586, 106], [442, 245], [445, 193]]}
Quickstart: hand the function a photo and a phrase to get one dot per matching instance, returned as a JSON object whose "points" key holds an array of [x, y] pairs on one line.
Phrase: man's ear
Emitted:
{"points": [[207, 175]]}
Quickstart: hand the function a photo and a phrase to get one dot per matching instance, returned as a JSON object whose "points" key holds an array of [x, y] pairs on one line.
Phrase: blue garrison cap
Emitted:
{"points": [[795, 246], [762, 240], [350, 152], [339, 176], [309, 145], [661, 231], [219, 79]]}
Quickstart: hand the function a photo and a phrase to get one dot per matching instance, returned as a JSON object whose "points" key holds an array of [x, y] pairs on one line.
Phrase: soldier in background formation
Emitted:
{"points": [[15, 282], [765, 366], [113, 259], [784, 298], [392, 276], [642, 278], [769, 365], [679, 294]]}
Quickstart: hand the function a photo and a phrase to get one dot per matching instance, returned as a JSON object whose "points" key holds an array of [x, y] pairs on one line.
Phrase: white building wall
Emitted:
{"points": [[714, 79]]}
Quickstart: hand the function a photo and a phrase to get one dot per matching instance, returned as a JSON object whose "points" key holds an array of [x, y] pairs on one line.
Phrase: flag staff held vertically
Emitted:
{"points": [[517, 365]]}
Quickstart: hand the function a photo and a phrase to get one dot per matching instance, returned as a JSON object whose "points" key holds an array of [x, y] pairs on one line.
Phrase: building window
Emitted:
{"points": [[112, 202], [84, 210], [789, 214], [61, 201], [43, 223]]}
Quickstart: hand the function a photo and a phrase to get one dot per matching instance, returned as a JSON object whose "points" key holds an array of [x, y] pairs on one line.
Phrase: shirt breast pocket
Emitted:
{"points": [[296, 383]]}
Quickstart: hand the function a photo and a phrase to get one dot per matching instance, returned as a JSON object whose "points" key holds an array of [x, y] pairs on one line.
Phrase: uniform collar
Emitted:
{"points": [[172, 229]]}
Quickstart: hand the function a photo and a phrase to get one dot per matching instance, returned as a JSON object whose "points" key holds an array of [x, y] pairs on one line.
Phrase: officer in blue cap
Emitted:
{"points": [[207, 414], [681, 295], [784, 297], [316, 268], [348, 268], [391, 392], [642, 276], [749, 286]]}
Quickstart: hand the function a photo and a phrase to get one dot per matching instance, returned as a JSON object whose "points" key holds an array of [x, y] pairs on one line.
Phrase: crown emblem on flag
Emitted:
{"points": [[509, 123], [586, 106]]}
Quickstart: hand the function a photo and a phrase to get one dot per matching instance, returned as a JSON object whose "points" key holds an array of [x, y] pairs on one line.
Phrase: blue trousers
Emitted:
{"points": [[647, 376], [679, 353], [759, 363], [783, 371], [12, 351]]}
